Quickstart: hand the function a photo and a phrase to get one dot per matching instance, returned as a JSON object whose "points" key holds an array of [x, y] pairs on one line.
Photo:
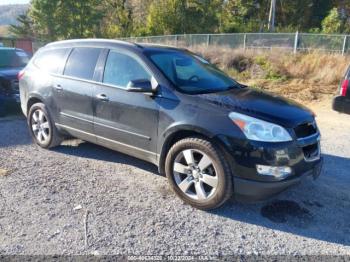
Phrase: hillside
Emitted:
{"points": [[9, 13], [304, 77]]}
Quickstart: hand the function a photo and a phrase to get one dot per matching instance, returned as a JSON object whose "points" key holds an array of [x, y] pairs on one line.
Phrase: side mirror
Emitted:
{"points": [[142, 86]]}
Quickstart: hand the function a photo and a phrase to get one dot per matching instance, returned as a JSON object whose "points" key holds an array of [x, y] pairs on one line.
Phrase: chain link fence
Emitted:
{"points": [[294, 42]]}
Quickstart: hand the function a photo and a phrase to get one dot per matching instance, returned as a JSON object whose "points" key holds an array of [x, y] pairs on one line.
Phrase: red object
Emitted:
{"points": [[344, 87], [20, 74], [25, 44]]}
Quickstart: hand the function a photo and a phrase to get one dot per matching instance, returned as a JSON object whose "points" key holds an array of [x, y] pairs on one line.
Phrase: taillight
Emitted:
{"points": [[344, 87], [20, 74]]}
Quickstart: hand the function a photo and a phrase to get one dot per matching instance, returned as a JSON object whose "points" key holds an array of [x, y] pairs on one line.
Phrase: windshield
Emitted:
{"points": [[190, 73], [13, 58]]}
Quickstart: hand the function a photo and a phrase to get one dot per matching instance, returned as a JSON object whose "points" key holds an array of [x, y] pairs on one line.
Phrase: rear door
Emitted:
{"points": [[73, 92], [123, 120]]}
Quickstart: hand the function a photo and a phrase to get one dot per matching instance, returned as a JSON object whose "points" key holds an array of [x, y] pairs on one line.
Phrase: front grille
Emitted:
{"points": [[305, 130]]}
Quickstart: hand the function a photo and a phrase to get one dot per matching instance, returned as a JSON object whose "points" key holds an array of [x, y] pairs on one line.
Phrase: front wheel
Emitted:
{"points": [[41, 127], [198, 173]]}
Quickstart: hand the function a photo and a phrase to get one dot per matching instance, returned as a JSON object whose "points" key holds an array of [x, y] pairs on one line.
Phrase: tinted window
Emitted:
{"points": [[51, 60], [190, 73], [82, 62], [120, 69], [13, 58]]}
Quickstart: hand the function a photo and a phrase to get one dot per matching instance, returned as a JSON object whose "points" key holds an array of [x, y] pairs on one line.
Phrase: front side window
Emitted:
{"points": [[13, 58], [120, 69], [190, 73], [51, 60], [82, 62]]}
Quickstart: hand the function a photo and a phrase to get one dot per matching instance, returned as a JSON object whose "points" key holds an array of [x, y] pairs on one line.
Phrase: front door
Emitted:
{"points": [[125, 121]]}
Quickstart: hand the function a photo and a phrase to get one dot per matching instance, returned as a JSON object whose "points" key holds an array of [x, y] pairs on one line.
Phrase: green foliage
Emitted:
{"points": [[117, 21], [271, 72], [56, 19], [336, 22], [23, 28], [332, 23], [63, 19], [183, 16]]}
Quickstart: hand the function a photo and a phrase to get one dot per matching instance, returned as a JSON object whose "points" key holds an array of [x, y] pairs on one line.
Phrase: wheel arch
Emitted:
{"points": [[33, 99], [177, 133]]}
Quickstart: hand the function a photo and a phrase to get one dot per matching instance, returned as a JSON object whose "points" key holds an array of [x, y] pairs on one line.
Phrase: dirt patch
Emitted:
{"points": [[282, 211]]}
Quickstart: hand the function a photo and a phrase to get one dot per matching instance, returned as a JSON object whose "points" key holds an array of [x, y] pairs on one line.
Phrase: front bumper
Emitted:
{"points": [[9, 104], [249, 190], [341, 104], [303, 156]]}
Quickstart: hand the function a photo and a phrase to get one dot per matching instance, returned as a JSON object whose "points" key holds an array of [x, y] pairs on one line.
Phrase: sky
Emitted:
{"points": [[8, 2]]}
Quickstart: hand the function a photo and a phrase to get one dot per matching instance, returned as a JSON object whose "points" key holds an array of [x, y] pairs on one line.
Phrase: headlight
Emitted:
{"points": [[259, 130]]}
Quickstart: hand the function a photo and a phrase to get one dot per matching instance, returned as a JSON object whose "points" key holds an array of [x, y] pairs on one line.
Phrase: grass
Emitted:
{"points": [[304, 77]]}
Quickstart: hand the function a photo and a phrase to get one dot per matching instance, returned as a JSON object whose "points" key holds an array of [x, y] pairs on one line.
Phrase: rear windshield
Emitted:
{"points": [[13, 58]]}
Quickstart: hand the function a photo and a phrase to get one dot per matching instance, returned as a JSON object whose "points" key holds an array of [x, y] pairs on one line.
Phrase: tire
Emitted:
{"points": [[199, 173], [42, 128]]}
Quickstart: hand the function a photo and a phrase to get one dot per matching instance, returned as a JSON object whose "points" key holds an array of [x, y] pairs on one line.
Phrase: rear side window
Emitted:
{"points": [[120, 69], [82, 62], [51, 60]]}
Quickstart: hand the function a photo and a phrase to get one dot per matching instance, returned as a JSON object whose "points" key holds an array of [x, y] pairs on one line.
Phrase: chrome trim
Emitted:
{"points": [[124, 131], [76, 117], [106, 139], [107, 126], [94, 82]]}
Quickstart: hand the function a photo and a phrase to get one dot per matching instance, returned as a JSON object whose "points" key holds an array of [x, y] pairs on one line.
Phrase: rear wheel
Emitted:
{"points": [[198, 173], [41, 127]]}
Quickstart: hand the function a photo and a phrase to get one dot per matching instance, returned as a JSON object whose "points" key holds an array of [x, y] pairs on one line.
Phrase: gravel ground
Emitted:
{"points": [[47, 198]]}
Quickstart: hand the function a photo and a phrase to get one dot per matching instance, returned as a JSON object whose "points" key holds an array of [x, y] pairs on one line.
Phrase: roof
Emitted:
{"points": [[109, 43], [8, 48]]}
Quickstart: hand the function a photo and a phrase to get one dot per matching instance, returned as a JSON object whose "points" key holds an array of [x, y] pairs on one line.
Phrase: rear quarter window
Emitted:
{"points": [[51, 60], [82, 62]]}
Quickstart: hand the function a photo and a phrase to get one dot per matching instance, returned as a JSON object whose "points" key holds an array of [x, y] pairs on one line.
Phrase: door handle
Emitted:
{"points": [[58, 87], [102, 97]]}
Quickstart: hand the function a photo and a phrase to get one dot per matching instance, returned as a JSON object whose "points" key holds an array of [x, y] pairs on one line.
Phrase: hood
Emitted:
{"points": [[9, 72], [262, 105]]}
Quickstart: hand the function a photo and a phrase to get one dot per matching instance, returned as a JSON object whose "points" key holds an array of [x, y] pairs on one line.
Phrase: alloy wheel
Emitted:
{"points": [[40, 126], [195, 174]]}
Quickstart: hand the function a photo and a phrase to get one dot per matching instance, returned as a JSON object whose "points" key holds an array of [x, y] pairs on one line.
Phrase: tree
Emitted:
{"points": [[117, 21], [43, 15], [183, 16], [332, 23], [56, 19], [24, 28]]}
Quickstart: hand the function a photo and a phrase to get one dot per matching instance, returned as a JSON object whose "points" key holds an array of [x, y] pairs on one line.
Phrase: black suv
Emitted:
{"points": [[341, 103], [12, 61], [210, 135]]}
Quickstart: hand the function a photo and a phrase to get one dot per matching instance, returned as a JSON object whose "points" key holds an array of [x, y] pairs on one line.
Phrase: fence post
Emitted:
{"points": [[344, 45], [296, 40], [245, 41], [176, 40], [208, 39]]}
